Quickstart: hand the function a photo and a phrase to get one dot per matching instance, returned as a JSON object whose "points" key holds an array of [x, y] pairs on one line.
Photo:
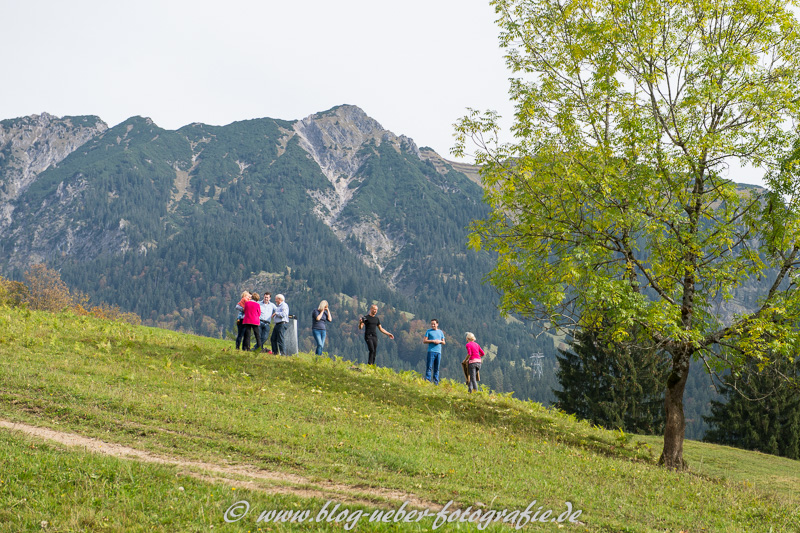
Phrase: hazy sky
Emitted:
{"points": [[415, 66]]}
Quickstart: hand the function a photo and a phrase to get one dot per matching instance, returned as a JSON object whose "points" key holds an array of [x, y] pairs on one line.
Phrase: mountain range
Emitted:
{"points": [[174, 224]]}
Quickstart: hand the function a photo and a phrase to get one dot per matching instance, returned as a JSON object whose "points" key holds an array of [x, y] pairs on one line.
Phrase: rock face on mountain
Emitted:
{"points": [[341, 141], [335, 140], [31, 145]]}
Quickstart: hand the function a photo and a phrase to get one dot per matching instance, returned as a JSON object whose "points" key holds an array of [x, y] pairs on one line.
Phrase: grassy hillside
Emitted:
{"points": [[212, 426]]}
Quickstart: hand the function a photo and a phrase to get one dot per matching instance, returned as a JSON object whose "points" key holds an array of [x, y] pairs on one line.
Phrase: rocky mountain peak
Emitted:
{"points": [[335, 139], [30, 145]]}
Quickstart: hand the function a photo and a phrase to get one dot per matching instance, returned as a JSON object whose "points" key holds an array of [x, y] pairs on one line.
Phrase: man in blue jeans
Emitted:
{"points": [[434, 338]]}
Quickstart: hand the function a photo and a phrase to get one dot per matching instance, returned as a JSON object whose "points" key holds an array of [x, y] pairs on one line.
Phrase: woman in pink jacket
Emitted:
{"points": [[240, 323], [252, 321], [474, 354]]}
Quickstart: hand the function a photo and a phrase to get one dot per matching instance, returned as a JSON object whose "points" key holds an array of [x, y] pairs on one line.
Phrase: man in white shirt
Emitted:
{"points": [[280, 320]]}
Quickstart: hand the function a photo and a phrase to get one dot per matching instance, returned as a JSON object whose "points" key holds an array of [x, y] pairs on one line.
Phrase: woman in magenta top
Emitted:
{"points": [[474, 354], [239, 321], [252, 321]]}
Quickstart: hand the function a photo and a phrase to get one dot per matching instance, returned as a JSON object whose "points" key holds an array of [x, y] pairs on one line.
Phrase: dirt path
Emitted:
{"points": [[237, 476]]}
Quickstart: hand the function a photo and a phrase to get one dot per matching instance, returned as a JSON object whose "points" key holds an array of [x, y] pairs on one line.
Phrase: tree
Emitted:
{"points": [[614, 194], [760, 413], [47, 292], [612, 384]]}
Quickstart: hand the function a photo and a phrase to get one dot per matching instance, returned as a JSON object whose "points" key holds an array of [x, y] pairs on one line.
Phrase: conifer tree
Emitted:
{"points": [[762, 411], [612, 384]]}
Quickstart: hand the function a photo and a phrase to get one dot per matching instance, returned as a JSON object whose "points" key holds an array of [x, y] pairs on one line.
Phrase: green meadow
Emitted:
{"points": [[214, 427]]}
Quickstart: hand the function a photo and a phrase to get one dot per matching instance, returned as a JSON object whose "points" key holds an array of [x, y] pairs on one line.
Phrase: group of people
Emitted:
{"points": [[256, 316], [256, 313]]}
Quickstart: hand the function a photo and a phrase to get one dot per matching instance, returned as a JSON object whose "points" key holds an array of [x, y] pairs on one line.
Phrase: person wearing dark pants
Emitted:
{"points": [[281, 320], [473, 359], [267, 309], [371, 324], [277, 339], [372, 347], [252, 312], [240, 320]]}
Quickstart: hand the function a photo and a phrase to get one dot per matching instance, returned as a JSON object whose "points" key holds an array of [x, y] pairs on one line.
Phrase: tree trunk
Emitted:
{"points": [[675, 421]]}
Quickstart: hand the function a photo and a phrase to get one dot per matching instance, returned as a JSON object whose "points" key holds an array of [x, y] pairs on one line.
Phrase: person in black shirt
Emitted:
{"points": [[371, 324]]}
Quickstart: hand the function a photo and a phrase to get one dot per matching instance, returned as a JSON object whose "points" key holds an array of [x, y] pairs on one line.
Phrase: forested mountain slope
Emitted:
{"points": [[175, 224]]}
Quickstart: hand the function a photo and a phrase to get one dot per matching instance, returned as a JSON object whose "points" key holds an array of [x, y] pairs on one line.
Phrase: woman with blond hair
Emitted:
{"points": [[319, 316], [252, 315], [240, 319], [473, 359]]}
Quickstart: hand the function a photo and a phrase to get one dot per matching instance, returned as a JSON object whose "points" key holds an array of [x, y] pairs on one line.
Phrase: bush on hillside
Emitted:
{"points": [[47, 291], [44, 290], [12, 293]]}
